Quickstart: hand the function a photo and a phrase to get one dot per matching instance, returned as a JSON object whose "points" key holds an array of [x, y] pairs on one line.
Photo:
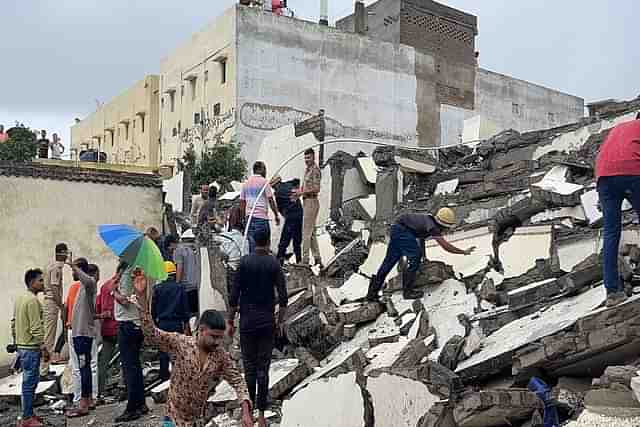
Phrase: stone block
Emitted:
{"points": [[495, 408], [360, 312], [310, 329]]}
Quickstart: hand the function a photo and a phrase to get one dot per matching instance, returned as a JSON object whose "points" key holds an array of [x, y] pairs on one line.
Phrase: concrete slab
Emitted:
{"points": [[445, 303], [332, 402], [11, 386], [359, 312], [591, 419], [412, 166], [554, 187], [590, 205], [377, 252], [368, 204], [532, 293], [465, 266], [537, 241], [399, 401], [368, 169], [493, 408], [385, 331], [447, 187], [351, 360], [355, 288], [572, 253], [500, 346]]}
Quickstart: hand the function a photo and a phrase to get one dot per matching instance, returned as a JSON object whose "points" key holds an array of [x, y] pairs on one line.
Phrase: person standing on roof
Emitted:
{"points": [[405, 233], [618, 178]]}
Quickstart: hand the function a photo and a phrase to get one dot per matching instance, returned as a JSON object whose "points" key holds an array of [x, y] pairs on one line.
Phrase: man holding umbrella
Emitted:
{"points": [[141, 254]]}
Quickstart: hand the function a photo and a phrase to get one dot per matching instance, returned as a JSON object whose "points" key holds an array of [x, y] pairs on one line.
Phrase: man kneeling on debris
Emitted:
{"points": [[198, 360], [404, 234]]}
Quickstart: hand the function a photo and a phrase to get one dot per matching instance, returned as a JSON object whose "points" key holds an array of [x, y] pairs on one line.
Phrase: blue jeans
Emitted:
{"points": [[612, 191], [82, 346], [30, 363], [130, 339], [403, 243], [257, 225]]}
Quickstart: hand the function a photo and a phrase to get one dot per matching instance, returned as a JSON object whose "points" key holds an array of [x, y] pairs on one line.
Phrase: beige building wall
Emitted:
{"points": [[198, 82], [126, 128], [38, 213]]}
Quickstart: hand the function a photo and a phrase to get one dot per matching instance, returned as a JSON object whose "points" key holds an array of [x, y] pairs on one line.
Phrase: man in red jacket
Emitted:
{"points": [[618, 177]]}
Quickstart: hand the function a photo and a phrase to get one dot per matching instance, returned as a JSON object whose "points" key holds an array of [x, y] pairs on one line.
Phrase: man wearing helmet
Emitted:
{"points": [[405, 233]]}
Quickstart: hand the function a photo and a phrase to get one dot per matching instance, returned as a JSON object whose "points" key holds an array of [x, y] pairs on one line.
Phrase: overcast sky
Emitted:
{"points": [[58, 57]]}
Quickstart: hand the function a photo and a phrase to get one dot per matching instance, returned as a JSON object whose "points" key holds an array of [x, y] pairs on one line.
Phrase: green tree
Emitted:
{"points": [[222, 163], [21, 146]]}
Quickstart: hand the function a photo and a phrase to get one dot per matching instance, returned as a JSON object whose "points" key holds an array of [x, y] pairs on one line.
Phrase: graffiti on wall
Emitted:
{"points": [[209, 130], [267, 117]]}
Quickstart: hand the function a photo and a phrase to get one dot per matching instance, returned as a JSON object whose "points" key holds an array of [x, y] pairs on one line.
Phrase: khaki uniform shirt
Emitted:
{"points": [[53, 281], [312, 177]]}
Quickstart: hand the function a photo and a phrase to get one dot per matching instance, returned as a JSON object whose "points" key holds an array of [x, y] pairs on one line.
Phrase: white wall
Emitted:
{"points": [[36, 214], [289, 69]]}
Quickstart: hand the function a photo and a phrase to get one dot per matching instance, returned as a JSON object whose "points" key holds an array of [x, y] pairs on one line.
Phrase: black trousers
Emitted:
{"points": [[130, 340], [167, 326], [192, 300], [256, 347], [291, 231]]}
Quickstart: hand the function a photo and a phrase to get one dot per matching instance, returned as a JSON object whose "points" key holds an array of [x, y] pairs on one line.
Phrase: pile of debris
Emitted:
{"points": [[529, 302]]}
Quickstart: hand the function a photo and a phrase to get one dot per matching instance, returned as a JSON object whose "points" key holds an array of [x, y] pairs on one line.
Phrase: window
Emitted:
{"points": [[206, 76], [196, 118], [515, 108], [216, 109], [172, 98], [174, 132], [181, 92], [162, 103], [552, 118], [142, 123], [223, 71], [126, 131], [179, 127]]}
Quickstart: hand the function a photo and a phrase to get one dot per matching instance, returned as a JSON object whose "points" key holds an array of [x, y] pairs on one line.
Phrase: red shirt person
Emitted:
{"points": [[109, 328], [618, 178]]}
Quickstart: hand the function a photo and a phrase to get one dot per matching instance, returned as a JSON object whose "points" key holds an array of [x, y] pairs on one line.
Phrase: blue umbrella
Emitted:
{"points": [[134, 248]]}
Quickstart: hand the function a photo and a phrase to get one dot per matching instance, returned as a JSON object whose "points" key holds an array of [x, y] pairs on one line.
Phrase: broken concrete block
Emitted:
{"points": [[430, 273], [387, 189], [351, 360], [305, 356], [447, 187], [368, 169], [329, 402], [445, 303], [298, 302], [618, 374], [590, 202], [11, 386], [495, 407], [420, 327], [465, 266], [412, 166], [569, 393], [590, 418], [538, 241], [310, 329], [367, 206], [404, 353], [350, 330], [500, 347], [359, 312], [635, 387], [555, 189], [299, 278], [575, 213], [285, 374], [472, 344], [354, 289], [385, 331], [405, 322], [574, 250], [532, 294], [399, 401], [612, 402], [451, 352]]}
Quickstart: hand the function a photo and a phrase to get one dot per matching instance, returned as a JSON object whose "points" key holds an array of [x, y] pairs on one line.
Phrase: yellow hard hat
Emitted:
{"points": [[446, 217], [169, 267]]}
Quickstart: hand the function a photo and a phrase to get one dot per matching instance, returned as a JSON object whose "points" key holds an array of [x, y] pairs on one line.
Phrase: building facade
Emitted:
{"points": [[126, 128], [409, 77]]}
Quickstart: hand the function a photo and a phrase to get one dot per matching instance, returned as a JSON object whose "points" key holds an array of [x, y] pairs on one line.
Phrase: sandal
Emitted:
{"points": [[76, 413]]}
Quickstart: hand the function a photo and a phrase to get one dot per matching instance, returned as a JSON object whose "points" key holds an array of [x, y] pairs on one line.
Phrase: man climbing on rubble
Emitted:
{"points": [[249, 202], [405, 233], [198, 361], [618, 177], [28, 335], [232, 246], [258, 279]]}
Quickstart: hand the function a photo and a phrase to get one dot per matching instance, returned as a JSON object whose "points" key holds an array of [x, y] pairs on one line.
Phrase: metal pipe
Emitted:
{"points": [[335, 141]]}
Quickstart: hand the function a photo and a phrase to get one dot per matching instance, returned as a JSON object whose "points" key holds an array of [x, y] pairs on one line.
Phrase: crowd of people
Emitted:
{"points": [[128, 307], [47, 148]]}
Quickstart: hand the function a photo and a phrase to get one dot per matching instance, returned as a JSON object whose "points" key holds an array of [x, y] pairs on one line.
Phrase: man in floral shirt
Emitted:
{"points": [[198, 360]]}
